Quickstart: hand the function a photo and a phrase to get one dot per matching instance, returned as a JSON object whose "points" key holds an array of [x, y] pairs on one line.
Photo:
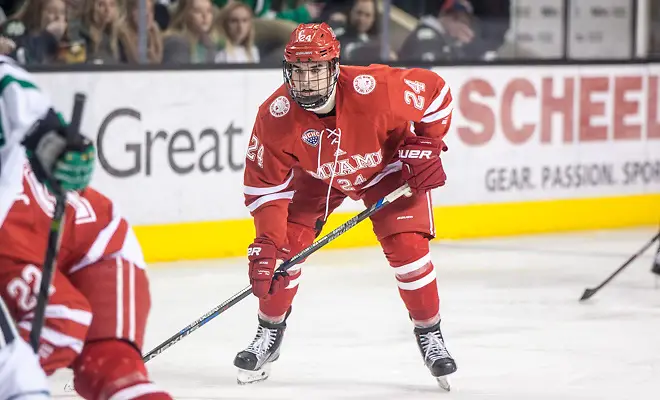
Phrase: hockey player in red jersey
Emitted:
{"points": [[331, 132], [99, 298]]}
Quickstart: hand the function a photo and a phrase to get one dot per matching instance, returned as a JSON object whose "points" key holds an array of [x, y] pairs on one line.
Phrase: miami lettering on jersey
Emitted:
{"points": [[348, 166]]}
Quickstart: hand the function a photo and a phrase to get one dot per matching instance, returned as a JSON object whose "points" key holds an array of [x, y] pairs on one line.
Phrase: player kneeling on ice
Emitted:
{"points": [[99, 297], [332, 132], [31, 129]]}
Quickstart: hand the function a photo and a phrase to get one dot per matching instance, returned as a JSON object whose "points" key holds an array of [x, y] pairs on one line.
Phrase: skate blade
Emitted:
{"points": [[443, 382], [245, 376]]}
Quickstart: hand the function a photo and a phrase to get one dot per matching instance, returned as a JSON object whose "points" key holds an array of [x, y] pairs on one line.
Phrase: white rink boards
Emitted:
{"points": [[511, 318], [572, 147]]}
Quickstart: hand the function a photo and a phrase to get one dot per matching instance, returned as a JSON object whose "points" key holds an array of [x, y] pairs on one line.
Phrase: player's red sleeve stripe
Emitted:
{"points": [[255, 197], [440, 108]]}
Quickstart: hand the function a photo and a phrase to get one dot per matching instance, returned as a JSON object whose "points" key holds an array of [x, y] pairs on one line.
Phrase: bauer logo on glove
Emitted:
{"points": [[422, 167], [254, 251], [403, 154]]}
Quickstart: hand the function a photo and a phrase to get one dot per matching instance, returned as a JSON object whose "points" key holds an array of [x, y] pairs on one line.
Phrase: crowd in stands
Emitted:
{"points": [[57, 32]]}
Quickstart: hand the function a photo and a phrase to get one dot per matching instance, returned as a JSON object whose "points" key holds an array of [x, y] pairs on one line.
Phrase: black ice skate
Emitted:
{"points": [[253, 363], [436, 357]]}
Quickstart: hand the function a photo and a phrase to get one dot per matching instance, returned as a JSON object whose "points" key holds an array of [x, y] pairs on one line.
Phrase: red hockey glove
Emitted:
{"points": [[422, 167], [263, 256]]}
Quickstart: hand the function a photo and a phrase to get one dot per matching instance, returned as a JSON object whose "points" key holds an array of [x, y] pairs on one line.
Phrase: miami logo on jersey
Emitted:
{"points": [[348, 166]]}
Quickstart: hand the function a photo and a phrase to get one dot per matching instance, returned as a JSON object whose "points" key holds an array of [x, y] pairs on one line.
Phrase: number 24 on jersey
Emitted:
{"points": [[415, 98], [255, 151]]}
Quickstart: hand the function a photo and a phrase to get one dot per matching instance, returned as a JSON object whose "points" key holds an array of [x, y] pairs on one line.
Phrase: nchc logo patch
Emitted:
{"points": [[311, 137]]}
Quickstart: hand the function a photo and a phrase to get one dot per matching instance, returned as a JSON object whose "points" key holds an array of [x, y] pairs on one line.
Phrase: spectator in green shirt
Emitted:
{"points": [[305, 13]]}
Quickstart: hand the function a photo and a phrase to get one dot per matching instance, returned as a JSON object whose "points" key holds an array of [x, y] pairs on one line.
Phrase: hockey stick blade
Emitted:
{"points": [[54, 236], [655, 269], [589, 292], [335, 233]]}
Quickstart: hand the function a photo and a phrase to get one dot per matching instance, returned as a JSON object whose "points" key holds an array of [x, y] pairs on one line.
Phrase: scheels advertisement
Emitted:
{"points": [[535, 133], [171, 144]]}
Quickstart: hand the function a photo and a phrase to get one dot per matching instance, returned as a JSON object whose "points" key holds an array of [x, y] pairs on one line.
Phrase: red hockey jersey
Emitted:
{"points": [[92, 229], [376, 108]]}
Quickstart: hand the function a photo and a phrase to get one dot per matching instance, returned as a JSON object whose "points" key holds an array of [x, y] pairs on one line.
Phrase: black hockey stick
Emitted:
{"points": [[401, 191], [54, 237], [656, 261], [590, 292]]}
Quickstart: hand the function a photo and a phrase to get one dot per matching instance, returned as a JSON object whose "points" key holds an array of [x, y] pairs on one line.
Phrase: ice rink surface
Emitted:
{"points": [[510, 312]]}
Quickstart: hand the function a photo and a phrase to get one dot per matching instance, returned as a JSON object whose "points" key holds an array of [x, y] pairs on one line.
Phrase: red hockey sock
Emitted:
{"points": [[113, 369], [422, 303], [275, 307], [408, 253]]}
